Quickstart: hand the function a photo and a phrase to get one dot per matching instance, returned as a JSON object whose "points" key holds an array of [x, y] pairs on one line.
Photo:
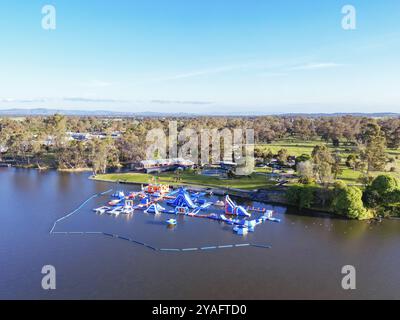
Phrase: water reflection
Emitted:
{"points": [[304, 262]]}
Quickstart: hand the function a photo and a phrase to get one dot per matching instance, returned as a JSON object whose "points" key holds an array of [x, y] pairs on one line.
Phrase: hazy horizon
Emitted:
{"points": [[105, 112]]}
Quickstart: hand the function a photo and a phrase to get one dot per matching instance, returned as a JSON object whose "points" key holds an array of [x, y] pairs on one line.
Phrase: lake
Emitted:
{"points": [[304, 262]]}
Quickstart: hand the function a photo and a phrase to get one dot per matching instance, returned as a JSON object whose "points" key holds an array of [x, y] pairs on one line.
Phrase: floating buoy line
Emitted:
{"points": [[137, 242]]}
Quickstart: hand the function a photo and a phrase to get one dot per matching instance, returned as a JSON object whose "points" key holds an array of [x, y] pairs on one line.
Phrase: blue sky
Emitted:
{"points": [[201, 56]]}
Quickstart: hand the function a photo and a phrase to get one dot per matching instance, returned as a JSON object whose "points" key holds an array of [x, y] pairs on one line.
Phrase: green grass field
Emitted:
{"points": [[297, 148], [255, 181]]}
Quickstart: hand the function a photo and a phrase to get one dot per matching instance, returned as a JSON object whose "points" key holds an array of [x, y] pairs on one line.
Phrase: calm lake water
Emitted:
{"points": [[304, 262]]}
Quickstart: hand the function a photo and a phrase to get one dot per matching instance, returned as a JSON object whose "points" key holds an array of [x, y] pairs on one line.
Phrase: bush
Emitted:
{"points": [[383, 195], [389, 211], [379, 192], [301, 196], [385, 183], [340, 185], [394, 197], [306, 180], [348, 202]]}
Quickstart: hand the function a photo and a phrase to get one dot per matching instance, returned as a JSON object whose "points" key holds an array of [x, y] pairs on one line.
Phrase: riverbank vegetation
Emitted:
{"points": [[336, 163]]}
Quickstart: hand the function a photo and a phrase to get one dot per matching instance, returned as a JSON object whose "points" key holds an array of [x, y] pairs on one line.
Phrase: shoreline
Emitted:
{"points": [[35, 167], [252, 195], [244, 194], [75, 170]]}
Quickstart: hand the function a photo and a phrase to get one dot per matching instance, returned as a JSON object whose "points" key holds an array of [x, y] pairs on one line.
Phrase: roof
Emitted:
{"points": [[167, 161]]}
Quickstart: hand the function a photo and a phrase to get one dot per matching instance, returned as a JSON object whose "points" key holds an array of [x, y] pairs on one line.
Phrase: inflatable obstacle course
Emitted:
{"points": [[188, 203], [232, 209]]}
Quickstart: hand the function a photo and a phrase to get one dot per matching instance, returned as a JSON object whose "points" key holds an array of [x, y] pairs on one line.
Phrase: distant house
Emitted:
{"points": [[79, 136], [3, 149], [85, 136], [116, 135], [161, 165], [227, 165]]}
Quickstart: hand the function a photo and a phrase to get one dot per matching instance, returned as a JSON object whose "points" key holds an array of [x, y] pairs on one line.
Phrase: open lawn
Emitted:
{"points": [[255, 181], [299, 147]]}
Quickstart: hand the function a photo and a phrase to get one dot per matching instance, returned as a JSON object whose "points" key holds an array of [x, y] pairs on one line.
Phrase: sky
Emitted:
{"points": [[201, 56]]}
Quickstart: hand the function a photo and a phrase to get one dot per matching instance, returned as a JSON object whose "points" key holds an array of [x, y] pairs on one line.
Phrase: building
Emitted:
{"points": [[85, 136], [220, 169], [161, 165]]}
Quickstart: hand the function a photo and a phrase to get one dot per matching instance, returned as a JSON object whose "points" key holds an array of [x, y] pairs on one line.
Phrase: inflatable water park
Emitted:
{"points": [[156, 199]]}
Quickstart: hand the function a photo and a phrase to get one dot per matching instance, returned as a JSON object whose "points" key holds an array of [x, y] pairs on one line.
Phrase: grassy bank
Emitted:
{"points": [[255, 181]]}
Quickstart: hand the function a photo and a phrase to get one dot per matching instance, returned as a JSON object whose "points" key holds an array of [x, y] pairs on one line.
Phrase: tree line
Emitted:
{"points": [[26, 139]]}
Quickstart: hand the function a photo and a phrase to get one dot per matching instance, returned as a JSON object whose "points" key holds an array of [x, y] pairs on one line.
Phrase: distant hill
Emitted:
{"points": [[106, 113], [341, 114], [93, 113]]}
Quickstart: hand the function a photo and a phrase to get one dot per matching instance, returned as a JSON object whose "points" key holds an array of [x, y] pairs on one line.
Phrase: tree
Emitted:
{"points": [[104, 154], [348, 202], [282, 156], [267, 156], [305, 170], [337, 165], [323, 160], [301, 196], [374, 151], [75, 155], [391, 129], [263, 153], [131, 148], [381, 191], [351, 161], [385, 183], [56, 129]]}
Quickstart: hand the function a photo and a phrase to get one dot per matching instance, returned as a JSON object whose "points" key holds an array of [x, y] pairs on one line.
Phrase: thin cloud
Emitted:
{"points": [[180, 102], [204, 72], [33, 100], [315, 66], [276, 69], [273, 74], [80, 99]]}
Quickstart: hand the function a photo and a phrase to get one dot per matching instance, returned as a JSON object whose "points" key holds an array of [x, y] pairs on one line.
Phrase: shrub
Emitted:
{"points": [[348, 202], [383, 195], [304, 157], [385, 183], [306, 180], [301, 196]]}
